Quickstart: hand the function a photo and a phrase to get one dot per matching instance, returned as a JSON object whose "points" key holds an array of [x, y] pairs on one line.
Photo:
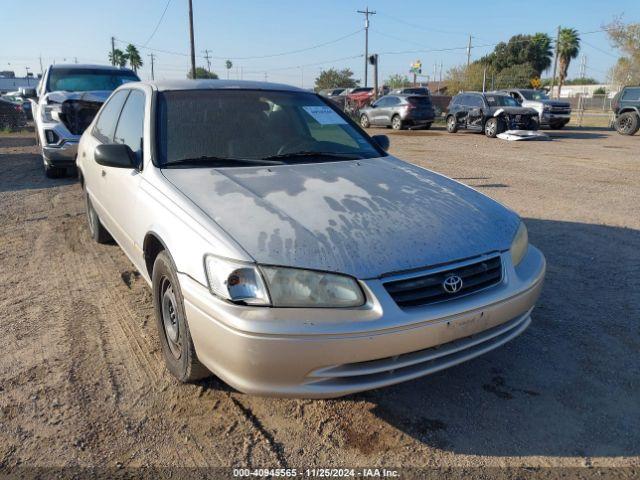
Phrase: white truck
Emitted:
{"points": [[64, 104]]}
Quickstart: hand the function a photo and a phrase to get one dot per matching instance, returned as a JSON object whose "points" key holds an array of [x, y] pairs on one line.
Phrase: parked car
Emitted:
{"points": [[360, 93], [491, 113], [16, 97], [287, 252], [553, 114], [65, 102], [12, 116], [626, 109], [410, 91], [332, 92], [398, 112]]}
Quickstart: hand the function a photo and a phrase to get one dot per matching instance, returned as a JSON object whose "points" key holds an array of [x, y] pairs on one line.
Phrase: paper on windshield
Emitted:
{"points": [[324, 115]]}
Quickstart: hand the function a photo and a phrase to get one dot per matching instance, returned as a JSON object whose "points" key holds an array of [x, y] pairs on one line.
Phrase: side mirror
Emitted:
{"points": [[382, 141], [28, 93], [115, 155]]}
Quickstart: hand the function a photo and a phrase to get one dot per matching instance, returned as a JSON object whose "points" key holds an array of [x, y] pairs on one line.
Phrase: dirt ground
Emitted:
{"points": [[82, 383]]}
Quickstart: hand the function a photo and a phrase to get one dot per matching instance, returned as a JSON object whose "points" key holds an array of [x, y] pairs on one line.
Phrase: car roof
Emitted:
{"points": [[169, 85], [84, 66]]}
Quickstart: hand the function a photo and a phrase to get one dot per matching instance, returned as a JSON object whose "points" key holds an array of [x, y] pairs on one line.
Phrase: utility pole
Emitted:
{"points": [[366, 12], [207, 58], [374, 58], [75, 60], [153, 57], [484, 79], [469, 52], [555, 62], [27, 69], [193, 45], [113, 51], [41, 69]]}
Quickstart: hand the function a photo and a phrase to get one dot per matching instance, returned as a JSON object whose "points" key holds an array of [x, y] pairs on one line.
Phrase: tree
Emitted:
{"points": [[202, 72], [118, 58], [568, 49], [534, 50], [626, 38], [228, 64], [516, 76], [334, 78], [465, 78], [398, 81], [134, 58]]}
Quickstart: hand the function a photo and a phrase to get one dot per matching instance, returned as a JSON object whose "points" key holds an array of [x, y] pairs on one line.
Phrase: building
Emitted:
{"points": [[13, 84]]}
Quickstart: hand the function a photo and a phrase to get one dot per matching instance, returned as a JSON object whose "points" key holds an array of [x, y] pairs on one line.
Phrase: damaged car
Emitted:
{"points": [[492, 113], [553, 114], [64, 104]]}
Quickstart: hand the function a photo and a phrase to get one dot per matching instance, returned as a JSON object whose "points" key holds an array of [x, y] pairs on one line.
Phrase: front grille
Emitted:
{"points": [[564, 110], [427, 289], [77, 115]]}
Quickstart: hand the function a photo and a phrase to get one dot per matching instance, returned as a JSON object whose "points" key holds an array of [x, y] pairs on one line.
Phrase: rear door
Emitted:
{"points": [[120, 185], [474, 117]]}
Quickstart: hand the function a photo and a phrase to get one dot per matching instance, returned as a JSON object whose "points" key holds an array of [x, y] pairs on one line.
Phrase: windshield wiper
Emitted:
{"points": [[208, 160], [310, 153]]}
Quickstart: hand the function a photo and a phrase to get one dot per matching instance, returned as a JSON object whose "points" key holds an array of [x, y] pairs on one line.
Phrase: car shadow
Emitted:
{"points": [[25, 171], [568, 386]]}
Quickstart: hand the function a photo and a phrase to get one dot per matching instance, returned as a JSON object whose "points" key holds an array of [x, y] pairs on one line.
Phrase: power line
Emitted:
{"points": [[158, 24], [252, 57], [599, 49]]}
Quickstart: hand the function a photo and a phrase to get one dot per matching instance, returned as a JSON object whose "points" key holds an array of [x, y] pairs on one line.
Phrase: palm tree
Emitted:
{"points": [[133, 55], [568, 48], [118, 58]]}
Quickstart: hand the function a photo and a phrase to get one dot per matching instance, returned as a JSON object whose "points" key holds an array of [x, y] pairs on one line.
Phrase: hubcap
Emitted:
{"points": [[625, 124], [491, 128], [170, 319], [364, 121], [451, 123], [396, 123]]}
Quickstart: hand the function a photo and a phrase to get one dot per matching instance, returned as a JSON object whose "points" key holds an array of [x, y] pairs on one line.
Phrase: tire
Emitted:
{"points": [[452, 126], [396, 122], [627, 124], [96, 230], [492, 127], [173, 330], [53, 172], [364, 121]]}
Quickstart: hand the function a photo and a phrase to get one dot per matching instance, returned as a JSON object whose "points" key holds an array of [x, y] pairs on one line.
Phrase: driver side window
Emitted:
{"points": [[108, 117]]}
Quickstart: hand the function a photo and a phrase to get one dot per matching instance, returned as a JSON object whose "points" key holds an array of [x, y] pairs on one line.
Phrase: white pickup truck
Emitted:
{"points": [[64, 104]]}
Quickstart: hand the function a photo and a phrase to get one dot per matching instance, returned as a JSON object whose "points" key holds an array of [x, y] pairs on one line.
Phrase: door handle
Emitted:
{"points": [[104, 174]]}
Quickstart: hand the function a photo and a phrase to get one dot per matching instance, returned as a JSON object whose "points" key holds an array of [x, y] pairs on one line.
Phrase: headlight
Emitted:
{"points": [[280, 287], [51, 112], [292, 287], [519, 245], [235, 281]]}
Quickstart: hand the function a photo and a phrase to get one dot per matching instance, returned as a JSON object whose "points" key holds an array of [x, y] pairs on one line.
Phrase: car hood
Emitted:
{"points": [[98, 96], [363, 218], [514, 110]]}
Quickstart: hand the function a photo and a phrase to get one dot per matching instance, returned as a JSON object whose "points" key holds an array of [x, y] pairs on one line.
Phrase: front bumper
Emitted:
{"points": [[320, 353], [63, 152], [554, 118]]}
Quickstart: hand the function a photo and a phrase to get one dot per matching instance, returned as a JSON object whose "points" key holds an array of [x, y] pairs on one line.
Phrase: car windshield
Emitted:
{"points": [[205, 127], [84, 80], [417, 91], [534, 95], [501, 101]]}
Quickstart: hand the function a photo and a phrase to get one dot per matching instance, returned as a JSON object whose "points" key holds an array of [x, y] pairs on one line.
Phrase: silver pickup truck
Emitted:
{"points": [[552, 114], [64, 104]]}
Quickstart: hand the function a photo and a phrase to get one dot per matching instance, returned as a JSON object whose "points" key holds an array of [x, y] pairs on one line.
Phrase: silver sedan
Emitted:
{"points": [[287, 251]]}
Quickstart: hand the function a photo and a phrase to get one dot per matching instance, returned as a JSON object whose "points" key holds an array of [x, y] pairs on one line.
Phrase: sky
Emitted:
{"points": [[292, 41]]}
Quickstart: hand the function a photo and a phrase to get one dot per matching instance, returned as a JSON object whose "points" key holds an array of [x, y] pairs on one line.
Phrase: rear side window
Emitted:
{"points": [[475, 101], [631, 94], [106, 123], [130, 128]]}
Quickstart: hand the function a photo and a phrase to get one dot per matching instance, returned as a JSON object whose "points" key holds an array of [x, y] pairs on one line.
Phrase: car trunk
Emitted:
{"points": [[77, 115]]}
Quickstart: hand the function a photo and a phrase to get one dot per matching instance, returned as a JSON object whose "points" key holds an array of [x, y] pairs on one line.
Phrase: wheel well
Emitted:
{"points": [[81, 178], [152, 247], [629, 110]]}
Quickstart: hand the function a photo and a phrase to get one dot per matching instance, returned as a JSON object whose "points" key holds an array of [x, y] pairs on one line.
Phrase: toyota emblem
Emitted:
{"points": [[452, 284]]}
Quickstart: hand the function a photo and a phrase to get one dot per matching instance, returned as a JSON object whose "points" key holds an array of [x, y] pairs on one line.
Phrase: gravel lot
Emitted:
{"points": [[82, 381]]}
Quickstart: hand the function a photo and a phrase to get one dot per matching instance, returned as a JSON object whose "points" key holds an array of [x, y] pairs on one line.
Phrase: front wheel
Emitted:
{"points": [[492, 127], [175, 337], [364, 121], [396, 123], [627, 123], [452, 126], [53, 172]]}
